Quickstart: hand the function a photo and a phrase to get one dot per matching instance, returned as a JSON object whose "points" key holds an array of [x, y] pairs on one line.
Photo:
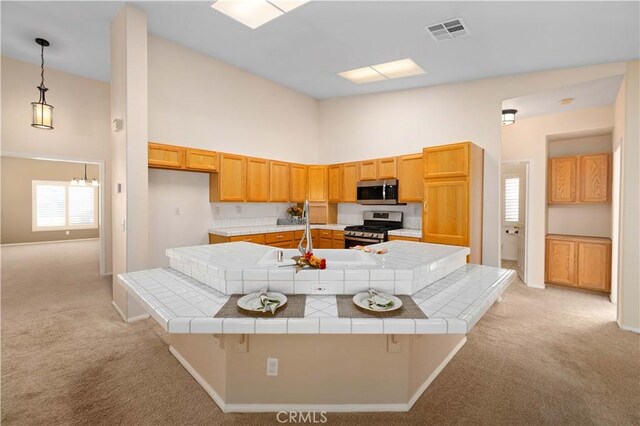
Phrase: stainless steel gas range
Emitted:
{"points": [[374, 230]]}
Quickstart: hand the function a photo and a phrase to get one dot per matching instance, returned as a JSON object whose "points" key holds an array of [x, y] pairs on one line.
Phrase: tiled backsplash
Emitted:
{"points": [[229, 215], [351, 214]]}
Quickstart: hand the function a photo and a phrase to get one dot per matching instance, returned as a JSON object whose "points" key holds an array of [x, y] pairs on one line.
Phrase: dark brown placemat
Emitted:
{"points": [[409, 309], [294, 308]]}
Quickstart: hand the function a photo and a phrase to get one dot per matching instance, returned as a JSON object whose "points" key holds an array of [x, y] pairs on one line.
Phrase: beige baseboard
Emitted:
{"points": [[124, 317]]}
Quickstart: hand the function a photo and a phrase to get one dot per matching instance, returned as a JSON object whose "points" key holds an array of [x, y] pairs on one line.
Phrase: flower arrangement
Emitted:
{"points": [[294, 211], [309, 261]]}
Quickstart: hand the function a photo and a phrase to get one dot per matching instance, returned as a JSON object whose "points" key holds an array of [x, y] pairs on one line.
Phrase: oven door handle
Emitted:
{"points": [[384, 190], [364, 240]]}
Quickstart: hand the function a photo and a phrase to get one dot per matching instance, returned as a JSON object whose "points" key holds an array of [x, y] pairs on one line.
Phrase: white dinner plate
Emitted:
{"points": [[251, 302], [360, 300]]}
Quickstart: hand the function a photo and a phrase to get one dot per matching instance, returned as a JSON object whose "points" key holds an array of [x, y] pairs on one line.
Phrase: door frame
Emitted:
{"points": [[529, 164], [101, 174]]}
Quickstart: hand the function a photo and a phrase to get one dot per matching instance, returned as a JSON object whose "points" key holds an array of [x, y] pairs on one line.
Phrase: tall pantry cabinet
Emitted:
{"points": [[452, 207]]}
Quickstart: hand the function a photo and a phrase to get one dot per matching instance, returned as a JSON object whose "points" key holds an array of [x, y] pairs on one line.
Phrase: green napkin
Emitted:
{"points": [[268, 303], [377, 301]]}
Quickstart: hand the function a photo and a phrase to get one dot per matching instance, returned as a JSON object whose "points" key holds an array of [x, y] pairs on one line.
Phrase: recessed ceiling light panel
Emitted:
{"points": [[251, 13], [398, 69], [362, 75]]}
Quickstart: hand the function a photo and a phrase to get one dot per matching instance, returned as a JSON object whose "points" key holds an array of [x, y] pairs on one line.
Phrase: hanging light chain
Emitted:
{"points": [[42, 65]]}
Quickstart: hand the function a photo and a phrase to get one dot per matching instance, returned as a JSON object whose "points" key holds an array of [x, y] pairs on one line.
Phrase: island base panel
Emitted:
{"points": [[321, 372]]}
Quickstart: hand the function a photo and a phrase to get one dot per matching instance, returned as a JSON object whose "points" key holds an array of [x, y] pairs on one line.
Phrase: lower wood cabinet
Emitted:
{"points": [[576, 261]]}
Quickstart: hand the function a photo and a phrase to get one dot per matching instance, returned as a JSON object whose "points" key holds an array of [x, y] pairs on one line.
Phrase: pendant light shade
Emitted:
{"points": [[84, 181], [509, 116], [42, 115]]}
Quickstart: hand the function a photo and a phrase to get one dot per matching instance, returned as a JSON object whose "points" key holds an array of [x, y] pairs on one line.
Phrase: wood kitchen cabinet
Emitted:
{"points": [[580, 179], [335, 183], [368, 170], [563, 180], [594, 178], [349, 183], [577, 261], [318, 185], [410, 178], [199, 159], [257, 179], [230, 183], [279, 181], [453, 185], [298, 183], [165, 156], [387, 168]]}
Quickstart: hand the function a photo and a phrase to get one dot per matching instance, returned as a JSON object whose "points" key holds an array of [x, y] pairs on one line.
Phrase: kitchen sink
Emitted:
{"points": [[335, 257]]}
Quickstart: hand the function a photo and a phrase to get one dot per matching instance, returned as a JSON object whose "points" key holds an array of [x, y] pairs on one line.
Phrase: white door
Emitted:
{"points": [[514, 180]]}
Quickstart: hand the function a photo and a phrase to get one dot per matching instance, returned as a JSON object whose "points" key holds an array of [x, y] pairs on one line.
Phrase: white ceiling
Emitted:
{"points": [[305, 48], [590, 94]]}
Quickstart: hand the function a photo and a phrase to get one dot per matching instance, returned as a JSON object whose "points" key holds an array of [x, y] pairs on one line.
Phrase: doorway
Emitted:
{"points": [[514, 178]]}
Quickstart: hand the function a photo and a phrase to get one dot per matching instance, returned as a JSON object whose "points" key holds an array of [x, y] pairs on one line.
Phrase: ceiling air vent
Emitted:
{"points": [[453, 28]]}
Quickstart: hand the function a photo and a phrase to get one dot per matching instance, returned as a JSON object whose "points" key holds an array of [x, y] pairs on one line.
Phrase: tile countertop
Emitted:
{"points": [[266, 229], [407, 232], [243, 267], [453, 304]]}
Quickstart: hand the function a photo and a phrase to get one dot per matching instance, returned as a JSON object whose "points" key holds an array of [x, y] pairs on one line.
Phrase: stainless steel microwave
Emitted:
{"points": [[378, 191]]}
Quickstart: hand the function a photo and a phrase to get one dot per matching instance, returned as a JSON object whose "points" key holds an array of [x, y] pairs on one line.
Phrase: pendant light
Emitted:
{"points": [[42, 112], [84, 181], [509, 116]]}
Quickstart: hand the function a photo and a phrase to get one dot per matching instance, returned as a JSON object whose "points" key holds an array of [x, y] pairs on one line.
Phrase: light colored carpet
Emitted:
{"points": [[540, 357]]}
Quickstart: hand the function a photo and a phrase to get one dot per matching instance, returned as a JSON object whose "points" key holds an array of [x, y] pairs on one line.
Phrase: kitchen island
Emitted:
{"points": [[326, 361]]}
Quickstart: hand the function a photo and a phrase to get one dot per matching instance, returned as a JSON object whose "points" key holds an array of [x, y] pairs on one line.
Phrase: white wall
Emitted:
{"points": [[527, 139], [179, 212], [402, 122], [80, 122], [198, 101], [629, 287]]}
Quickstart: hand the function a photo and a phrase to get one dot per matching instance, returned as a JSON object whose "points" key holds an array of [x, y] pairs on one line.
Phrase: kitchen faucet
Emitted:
{"points": [[308, 248]]}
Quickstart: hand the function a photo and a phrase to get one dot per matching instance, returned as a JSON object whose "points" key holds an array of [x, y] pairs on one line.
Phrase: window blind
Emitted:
{"points": [[512, 199], [81, 205], [50, 205]]}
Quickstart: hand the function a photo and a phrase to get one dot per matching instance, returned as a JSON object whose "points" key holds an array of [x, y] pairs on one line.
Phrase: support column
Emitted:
{"points": [[129, 151]]}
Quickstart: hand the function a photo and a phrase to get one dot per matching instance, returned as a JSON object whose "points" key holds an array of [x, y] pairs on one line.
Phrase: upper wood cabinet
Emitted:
{"points": [[580, 179], [410, 178], [279, 181], [165, 156], [594, 180], [387, 168], [198, 159], [335, 183], [446, 161], [563, 174], [453, 190], [257, 179], [578, 261], [230, 183], [298, 183], [318, 188], [368, 170], [349, 183]]}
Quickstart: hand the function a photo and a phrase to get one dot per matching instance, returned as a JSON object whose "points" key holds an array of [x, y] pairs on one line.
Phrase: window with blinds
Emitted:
{"points": [[512, 199], [60, 206]]}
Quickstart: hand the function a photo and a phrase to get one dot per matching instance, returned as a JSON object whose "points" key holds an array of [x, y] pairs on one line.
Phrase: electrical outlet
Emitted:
{"points": [[238, 209], [272, 366], [319, 288], [217, 210], [67, 233]]}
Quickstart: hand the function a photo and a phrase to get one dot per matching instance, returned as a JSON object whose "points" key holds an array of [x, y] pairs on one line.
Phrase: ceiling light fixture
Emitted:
{"points": [[42, 112], [254, 13], [388, 70], [84, 181], [509, 116], [565, 101]]}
